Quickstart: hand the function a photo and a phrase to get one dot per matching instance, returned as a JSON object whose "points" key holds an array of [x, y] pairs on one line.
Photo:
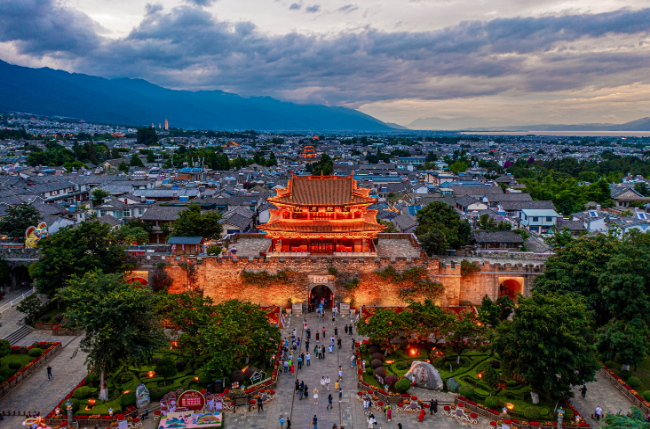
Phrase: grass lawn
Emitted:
{"points": [[22, 359]]}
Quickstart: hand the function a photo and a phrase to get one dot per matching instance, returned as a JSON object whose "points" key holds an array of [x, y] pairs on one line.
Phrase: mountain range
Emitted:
{"points": [[137, 102], [469, 123]]}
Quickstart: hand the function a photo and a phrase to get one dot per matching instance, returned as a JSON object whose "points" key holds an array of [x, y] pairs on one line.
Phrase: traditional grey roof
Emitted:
{"points": [[479, 191], [572, 225], [527, 205], [240, 210], [163, 213], [166, 193], [111, 220], [405, 222], [184, 240], [466, 200], [237, 220], [498, 237], [509, 197]]}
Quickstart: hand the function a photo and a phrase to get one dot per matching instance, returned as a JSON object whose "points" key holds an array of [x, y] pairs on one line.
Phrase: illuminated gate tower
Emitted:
{"points": [[322, 215], [308, 151]]}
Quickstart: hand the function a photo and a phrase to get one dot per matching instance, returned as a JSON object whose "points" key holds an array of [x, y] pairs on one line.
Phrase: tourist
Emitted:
{"points": [[286, 366], [346, 328], [583, 390], [315, 422], [330, 348], [329, 402], [306, 391], [317, 337], [334, 426], [336, 385], [333, 318], [293, 369], [350, 330], [421, 417], [352, 359], [300, 393], [322, 352], [599, 411], [365, 405], [293, 333], [340, 342], [336, 331], [260, 405], [315, 396], [298, 342], [332, 341], [322, 382], [399, 426], [305, 324], [49, 372], [389, 412], [307, 344], [327, 382], [288, 423], [434, 406], [281, 419], [299, 362], [371, 421], [308, 358], [340, 395], [352, 343], [323, 332], [297, 385]]}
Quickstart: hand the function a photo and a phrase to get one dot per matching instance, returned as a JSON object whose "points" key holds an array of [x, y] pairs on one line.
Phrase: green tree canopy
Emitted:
{"points": [[193, 223], [129, 234], [189, 313], [324, 166], [30, 307], [121, 326], [438, 216], [635, 420], [17, 219], [136, 161], [98, 195], [76, 251], [548, 344], [147, 136]]}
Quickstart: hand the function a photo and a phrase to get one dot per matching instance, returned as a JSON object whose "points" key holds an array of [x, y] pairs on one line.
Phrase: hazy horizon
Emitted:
{"points": [[505, 62]]}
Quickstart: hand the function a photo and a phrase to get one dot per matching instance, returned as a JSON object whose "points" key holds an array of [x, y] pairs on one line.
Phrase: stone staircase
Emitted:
{"points": [[19, 334]]}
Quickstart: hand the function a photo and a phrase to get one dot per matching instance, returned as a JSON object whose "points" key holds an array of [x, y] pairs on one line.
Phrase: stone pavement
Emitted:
{"points": [[11, 316], [600, 392]]}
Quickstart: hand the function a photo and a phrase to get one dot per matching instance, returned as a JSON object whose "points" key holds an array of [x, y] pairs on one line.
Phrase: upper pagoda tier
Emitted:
{"points": [[322, 191]]}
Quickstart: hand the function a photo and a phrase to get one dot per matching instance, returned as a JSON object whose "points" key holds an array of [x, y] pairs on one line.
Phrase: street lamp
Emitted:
{"points": [[560, 416], [68, 406]]}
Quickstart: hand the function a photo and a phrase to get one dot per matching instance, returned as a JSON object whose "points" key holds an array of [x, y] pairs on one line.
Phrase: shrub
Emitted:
{"points": [[493, 403], [81, 392], [646, 395], [204, 378], [156, 393], [374, 349], [127, 399], [380, 371], [214, 250], [15, 365], [369, 371], [180, 365], [610, 364], [376, 363], [75, 405], [35, 352], [403, 365], [495, 364], [379, 356], [58, 317], [403, 385], [531, 413], [236, 375], [166, 367], [249, 372], [634, 382], [568, 415], [391, 380], [625, 374], [512, 383], [92, 379], [46, 318], [466, 391]]}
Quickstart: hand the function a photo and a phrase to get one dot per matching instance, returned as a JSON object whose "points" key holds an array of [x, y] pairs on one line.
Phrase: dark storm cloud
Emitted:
{"points": [[188, 48]]}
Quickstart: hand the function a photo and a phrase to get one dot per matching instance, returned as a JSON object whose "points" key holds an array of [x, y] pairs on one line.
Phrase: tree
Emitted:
{"points": [[643, 189], [193, 223], [71, 251], [548, 344], [189, 313], [625, 340], [491, 377], [17, 219], [427, 322], [147, 136], [136, 161], [458, 167], [324, 166], [123, 167], [5, 348], [121, 327], [433, 243], [159, 279], [389, 224], [465, 334], [238, 330], [560, 238], [486, 223], [489, 312], [166, 368], [634, 420], [30, 307], [98, 196], [129, 234], [442, 217], [384, 327]]}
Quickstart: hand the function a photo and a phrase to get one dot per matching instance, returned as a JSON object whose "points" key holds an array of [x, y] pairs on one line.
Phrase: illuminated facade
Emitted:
{"points": [[308, 152], [322, 215]]}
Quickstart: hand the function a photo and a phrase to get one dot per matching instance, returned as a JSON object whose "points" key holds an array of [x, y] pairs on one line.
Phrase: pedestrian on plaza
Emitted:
{"points": [[421, 417], [340, 373], [329, 402], [332, 341], [49, 372], [327, 382], [330, 348], [346, 328], [371, 421], [306, 391], [599, 411], [365, 405], [316, 350], [298, 342], [300, 394], [307, 344], [322, 382], [323, 332], [389, 412], [434, 407], [286, 366], [299, 362], [333, 318], [352, 359], [336, 385], [583, 390], [293, 368], [336, 331], [308, 358], [297, 385], [334, 426], [260, 405], [293, 333], [353, 344], [288, 423], [399, 426], [315, 396], [314, 422], [305, 324], [317, 336], [340, 395], [350, 330], [340, 342], [322, 352], [309, 333], [281, 419]]}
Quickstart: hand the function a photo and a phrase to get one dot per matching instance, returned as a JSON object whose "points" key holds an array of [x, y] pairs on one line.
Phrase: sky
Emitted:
{"points": [[509, 61]]}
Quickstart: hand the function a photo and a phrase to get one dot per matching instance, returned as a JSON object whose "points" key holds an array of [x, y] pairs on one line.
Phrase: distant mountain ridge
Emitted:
{"points": [[483, 124], [138, 102]]}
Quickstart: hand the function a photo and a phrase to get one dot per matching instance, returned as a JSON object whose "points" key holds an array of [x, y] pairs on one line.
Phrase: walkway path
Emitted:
{"points": [[600, 393], [11, 316]]}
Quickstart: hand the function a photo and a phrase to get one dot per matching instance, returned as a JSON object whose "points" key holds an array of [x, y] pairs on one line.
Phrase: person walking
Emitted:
{"points": [[352, 344], [336, 331], [340, 373], [350, 330], [305, 324], [389, 412], [260, 405], [323, 332], [281, 419], [353, 361], [293, 368], [583, 390], [288, 423], [300, 392], [340, 342], [327, 383], [329, 402], [599, 411], [322, 352], [346, 328], [307, 344], [49, 372], [308, 358], [337, 385], [340, 395], [299, 362], [297, 385], [434, 406], [322, 383], [314, 422], [315, 396], [316, 351], [333, 318], [286, 366], [317, 337]]}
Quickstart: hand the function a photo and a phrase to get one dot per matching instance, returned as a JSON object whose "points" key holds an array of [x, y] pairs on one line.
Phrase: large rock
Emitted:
{"points": [[453, 385], [424, 375]]}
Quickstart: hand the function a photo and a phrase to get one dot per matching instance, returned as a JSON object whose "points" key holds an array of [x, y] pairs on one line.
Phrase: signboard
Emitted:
{"points": [[123, 425], [320, 279], [191, 420], [142, 396], [345, 308], [192, 400], [296, 308]]}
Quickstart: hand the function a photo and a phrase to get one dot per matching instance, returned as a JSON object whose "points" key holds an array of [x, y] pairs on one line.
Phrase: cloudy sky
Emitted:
{"points": [[512, 61]]}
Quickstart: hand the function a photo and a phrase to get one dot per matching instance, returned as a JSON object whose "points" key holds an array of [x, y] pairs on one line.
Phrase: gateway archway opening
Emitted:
{"points": [[511, 287], [320, 294]]}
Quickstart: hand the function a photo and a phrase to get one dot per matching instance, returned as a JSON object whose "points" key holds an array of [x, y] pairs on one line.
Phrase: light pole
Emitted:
{"points": [[560, 416]]}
